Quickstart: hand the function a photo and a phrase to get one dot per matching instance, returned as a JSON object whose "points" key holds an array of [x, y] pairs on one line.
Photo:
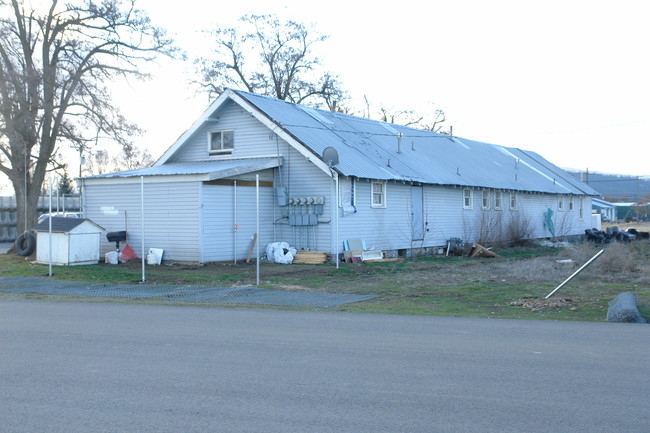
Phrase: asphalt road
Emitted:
{"points": [[93, 367]]}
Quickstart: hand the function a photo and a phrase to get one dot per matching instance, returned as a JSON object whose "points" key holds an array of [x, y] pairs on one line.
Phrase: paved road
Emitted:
{"points": [[92, 367]]}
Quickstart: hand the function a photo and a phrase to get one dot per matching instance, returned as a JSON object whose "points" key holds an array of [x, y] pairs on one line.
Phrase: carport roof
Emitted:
{"points": [[207, 170]]}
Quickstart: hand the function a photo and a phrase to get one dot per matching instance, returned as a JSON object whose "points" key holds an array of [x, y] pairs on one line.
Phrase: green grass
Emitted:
{"points": [[446, 286]]}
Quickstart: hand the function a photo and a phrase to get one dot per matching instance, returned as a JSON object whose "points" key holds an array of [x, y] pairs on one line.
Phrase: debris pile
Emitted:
{"points": [[614, 234], [536, 304]]}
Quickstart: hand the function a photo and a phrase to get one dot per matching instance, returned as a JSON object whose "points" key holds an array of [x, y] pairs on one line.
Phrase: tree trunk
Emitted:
{"points": [[26, 210]]}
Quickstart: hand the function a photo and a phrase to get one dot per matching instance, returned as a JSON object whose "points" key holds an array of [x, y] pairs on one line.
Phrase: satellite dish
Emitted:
{"points": [[330, 156]]}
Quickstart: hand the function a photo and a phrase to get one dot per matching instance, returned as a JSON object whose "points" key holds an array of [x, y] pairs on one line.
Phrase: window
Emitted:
{"points": [[221, 142], [467, 199], [581, 210], [497, 200], [571, 204], [560, 203], [378, 192], [513, 200], [485, 199]]}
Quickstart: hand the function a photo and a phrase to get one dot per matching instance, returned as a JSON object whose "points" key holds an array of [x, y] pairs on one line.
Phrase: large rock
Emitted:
{"points": [[623, 309]]}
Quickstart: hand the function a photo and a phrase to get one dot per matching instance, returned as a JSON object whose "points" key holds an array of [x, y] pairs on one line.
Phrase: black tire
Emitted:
{"points": [[25, 244]]}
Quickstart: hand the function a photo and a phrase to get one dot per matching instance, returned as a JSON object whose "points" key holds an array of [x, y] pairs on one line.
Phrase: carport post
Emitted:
{"points": [[49, 218], [142, 222], [257, 222]]}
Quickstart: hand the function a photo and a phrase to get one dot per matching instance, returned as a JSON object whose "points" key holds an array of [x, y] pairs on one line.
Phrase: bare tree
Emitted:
{"points": [[132, 158], [102, 161], [54, 67], [270, 57], [411, 118]]}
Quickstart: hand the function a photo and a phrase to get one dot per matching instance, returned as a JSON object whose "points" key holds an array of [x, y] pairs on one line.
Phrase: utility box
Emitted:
{"points": [[74, 241]]}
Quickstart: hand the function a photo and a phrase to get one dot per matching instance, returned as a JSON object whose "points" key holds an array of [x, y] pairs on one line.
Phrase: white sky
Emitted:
{"points": [[567, 79]]}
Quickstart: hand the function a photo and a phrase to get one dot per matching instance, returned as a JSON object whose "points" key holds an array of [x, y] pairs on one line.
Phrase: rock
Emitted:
{"points": [[623, 309]]}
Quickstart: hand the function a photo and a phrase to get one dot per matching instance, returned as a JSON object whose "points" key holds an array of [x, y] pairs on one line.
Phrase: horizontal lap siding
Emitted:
{"points": [[478, 223], [381, 228], [303, 179], [445, 217], [251, 137], [171, 216], [443, 214], [219, 221]]}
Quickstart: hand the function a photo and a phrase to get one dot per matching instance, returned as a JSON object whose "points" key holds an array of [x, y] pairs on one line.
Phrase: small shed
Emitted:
{"points": [[75, 241]]}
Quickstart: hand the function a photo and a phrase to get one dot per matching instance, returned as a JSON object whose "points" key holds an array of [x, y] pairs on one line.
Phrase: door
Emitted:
{"points": [[417, 213]]}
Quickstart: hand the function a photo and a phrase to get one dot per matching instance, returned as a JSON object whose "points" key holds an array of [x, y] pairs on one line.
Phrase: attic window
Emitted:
{"points": [[221, 142]]}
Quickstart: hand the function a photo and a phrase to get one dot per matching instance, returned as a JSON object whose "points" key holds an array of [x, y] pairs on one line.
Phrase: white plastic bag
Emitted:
{"points": [[280, 252], [111, 258]]}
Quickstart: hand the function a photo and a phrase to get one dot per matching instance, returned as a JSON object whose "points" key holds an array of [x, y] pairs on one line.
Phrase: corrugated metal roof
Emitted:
{"points": [[211, 169], [376, 150]]}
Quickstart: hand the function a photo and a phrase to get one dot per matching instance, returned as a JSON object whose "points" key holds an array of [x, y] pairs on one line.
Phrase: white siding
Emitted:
{"points": [[301, 178], [219, 220], [381, 228], [251, 137], [445, 217], [171, 216], [477, 224]]}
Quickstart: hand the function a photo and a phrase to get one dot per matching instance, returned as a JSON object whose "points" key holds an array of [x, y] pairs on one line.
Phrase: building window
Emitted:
{"points": [[221, 142], [571, 204], [378, 191], [485, 199], [581, 210], [467, 199], [497, 200], [560, 203], [513, 201]]}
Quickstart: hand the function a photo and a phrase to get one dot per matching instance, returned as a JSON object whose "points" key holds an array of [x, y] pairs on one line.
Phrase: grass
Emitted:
{"points": [[430, 285]]}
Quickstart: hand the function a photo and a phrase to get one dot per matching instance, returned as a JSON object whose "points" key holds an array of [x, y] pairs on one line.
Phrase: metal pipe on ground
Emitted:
{"points": [[575, 273]]}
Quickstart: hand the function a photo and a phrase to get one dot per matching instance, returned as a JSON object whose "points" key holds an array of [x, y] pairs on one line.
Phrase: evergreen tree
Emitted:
{"points": [[65, 184]]}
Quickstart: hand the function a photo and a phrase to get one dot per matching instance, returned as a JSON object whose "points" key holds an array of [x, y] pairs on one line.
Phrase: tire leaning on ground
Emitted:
{"points": [[25, 244]]}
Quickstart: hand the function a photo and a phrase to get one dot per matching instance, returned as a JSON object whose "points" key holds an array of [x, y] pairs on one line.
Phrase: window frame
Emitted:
{"points": [[514, 201], [382, 194], [570, 208], [468, 199], [498, 200], [485, 199], [221, 150], [581, 204], [560, 203]]}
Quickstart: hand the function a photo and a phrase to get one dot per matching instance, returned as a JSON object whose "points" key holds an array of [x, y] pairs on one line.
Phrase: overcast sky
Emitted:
{"points": [[566, 79]]}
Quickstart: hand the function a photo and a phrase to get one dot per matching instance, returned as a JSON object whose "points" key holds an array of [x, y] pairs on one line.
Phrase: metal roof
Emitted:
{"points": [[209, 169], [372, 149]]}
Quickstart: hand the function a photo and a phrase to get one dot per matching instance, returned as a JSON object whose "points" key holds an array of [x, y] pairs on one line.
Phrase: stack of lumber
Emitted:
{"points": [[310, 257]]}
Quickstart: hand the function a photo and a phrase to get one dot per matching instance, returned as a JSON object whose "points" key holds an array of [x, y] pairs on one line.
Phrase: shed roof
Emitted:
{"points": [[209, 170]]}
